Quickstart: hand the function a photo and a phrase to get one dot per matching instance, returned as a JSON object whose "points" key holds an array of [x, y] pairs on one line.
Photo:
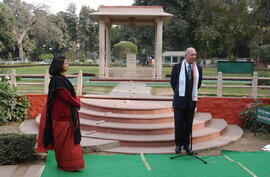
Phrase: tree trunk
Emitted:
{"points": [[19, 42], [205, 53], [20, 46], [204, 60], [85, 53]]}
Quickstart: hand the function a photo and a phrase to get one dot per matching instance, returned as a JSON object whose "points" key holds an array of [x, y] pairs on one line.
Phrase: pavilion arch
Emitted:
{"points": [[129, 15]]}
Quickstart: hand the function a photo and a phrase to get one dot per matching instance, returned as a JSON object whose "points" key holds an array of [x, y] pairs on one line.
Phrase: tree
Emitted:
{"points": [[239, 28], [50, 34], [71, 52], [71, 20], [87, 31], [260, 11], [115, 34], [61, 38], [264, 53], [175, 34], [123, 48], [205, 35], [204, 17], [6, 25], [25, 19], [228, 20]]}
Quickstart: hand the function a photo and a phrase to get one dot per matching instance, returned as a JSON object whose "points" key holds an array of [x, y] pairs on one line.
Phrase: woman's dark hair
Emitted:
{"points": [[56, 66]]}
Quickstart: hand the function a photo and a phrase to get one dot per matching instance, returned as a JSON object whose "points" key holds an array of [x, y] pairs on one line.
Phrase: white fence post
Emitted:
{"points": [[79, 83], [46, 81], [219, 85], [255, 85], [13, 77]]}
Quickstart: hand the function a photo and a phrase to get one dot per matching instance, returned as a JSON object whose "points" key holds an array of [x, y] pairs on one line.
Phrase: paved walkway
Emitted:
{"points": [[131, 89], [29, 126]]}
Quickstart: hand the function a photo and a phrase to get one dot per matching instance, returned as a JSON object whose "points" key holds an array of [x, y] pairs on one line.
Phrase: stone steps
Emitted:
{"points": [[200, 119], [214, 129], [232, 133], [126, 118], [127, 106], [127, 125], [30, 126], [135, 128], [125, 128], [22, 170], [129, 97], [147, 126]]}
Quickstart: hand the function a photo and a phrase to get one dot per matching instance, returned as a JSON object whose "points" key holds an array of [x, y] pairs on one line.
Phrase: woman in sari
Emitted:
{"points": [[59, 127]]}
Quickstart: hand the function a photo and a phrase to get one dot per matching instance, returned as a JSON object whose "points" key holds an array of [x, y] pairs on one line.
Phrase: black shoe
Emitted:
{"points": [[178, 149], [188, 149]]}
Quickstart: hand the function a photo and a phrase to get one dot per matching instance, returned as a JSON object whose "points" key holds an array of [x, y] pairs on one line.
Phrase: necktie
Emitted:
{"points": [[189, 73]]}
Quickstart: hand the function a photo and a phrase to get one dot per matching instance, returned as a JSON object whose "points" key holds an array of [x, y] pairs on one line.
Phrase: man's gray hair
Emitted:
{"points": [[188, 49]]}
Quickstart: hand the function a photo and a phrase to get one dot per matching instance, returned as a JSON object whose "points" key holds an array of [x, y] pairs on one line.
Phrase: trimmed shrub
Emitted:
{"points": [[122, 48], [16, 148], [13, 107]]}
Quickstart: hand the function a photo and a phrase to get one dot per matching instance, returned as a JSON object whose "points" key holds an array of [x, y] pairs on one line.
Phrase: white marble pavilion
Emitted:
{"points": [[129, 15]]}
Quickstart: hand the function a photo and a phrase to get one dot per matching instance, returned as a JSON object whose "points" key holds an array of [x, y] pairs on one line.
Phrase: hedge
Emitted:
{"points": [[16, 148]]}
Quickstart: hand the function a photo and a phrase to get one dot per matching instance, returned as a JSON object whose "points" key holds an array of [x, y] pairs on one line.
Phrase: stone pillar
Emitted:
{"points": [[108, 45], [155, 57], [131, 66], [255, 85], [101, 48], [159, 48]]}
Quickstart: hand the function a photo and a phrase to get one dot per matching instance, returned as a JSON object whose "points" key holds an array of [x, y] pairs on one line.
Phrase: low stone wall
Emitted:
{"points": [[223, 108], [37, 103]]}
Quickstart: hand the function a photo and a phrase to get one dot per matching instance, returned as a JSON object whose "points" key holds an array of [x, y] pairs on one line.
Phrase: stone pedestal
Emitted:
{"points": [[131, 66]]}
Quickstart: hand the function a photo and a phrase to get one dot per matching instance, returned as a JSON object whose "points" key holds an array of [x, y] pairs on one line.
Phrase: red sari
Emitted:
{"points": [[69, 156]]}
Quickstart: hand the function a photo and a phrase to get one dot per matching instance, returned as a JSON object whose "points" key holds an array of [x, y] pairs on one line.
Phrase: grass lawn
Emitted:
{"points": [[207, 71], [227, 92], [157, 89], [42, 69], [99, 90]]}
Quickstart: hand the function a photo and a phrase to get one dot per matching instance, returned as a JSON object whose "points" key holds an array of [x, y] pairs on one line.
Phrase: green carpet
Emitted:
{"points": [[258, 162], [163, 166]]}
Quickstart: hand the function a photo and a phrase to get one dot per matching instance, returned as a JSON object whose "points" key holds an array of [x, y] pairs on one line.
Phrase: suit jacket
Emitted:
{"points": [[182, 101]]}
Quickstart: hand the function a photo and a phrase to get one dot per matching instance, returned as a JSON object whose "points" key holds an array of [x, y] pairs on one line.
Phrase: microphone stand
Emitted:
{"points": [[193, 154]]}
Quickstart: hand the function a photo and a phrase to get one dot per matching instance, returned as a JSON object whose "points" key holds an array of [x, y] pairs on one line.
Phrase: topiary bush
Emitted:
{"points": [[122, 48], [13, 107], [16, 148], [248, 116]]}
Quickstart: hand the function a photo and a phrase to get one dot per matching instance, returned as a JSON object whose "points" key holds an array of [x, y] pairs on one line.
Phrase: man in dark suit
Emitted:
{"points": [[186, 79]]}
